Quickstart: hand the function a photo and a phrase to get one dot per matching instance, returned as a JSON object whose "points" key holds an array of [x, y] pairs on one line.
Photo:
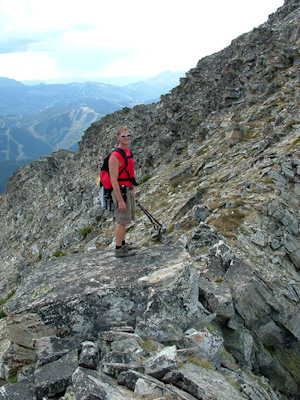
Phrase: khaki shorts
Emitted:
{"points": [[129, 215]]}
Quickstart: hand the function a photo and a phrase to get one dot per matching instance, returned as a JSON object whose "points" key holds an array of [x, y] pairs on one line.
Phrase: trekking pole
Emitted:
{"points": [[157, 225]]}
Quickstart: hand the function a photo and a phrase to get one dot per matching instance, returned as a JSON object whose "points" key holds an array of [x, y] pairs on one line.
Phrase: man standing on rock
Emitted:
{"points": [[123, 192]]}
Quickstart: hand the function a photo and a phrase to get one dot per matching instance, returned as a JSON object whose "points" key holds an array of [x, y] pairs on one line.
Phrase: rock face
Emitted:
{"points": [[214, 302], [83, 295]]}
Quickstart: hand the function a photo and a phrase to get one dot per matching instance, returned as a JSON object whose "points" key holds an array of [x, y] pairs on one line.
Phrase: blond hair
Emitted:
{"points": [[121, 128]]}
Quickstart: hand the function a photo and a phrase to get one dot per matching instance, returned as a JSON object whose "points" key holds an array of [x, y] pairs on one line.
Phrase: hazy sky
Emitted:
{"points": [[46, 39]]}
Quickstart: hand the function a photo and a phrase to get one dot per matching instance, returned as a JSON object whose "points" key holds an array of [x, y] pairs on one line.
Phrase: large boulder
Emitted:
{"points": [[84, 294]]}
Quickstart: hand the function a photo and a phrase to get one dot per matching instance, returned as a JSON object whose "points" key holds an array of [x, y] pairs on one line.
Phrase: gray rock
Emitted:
{"points": [[129, 378], [168, 314], [188, 204], [270, 313], [270, 333], [207, 344], [201, 213], [240, 344], [127, 346], [288, 172], [285, 382], [260, 239], [54, 378], [218, 297], [179, 175], [203, 237], [90, 384], [203, 383], [278, 178], [148, 389], [89, 356], [184, 382], [295, 257], [162, 362], [115, 369], [69, 290], [233, 137], [114, 359], [49, 349], [117, 336], [23, 390], [158, 322], [248, 385]]}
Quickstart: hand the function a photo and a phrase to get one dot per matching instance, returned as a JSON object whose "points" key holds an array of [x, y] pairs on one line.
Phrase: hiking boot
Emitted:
{"points": [[123, 252], [129, 246]]}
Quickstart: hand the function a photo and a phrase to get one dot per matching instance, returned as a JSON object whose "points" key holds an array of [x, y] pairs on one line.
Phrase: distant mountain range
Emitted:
{"points": [[38, 119]]}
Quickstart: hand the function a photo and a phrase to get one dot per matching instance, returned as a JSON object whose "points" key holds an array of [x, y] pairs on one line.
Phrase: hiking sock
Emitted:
{"points": [[118, 247], [123, 242]]}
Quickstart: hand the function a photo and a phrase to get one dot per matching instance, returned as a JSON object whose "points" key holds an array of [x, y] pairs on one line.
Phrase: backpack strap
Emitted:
{"points": [[121, 151]]}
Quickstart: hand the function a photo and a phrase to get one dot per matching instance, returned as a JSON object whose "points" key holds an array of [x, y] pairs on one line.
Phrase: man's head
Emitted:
{"points": [[123, 136], [122, 130]]}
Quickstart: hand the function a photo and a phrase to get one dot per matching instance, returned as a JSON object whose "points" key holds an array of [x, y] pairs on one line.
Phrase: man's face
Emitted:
{"points": [[124, 136]]}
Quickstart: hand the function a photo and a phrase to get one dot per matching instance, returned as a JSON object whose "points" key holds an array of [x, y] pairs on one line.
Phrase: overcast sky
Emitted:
{"points": [[49, 39]]}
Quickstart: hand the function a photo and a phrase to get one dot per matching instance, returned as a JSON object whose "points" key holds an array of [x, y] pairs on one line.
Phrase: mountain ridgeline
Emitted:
{"points": [[210, 309], [36, 120]]}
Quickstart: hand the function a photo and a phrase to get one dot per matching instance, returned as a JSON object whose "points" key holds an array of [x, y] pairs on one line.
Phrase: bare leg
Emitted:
{"points": [[120, 233]]}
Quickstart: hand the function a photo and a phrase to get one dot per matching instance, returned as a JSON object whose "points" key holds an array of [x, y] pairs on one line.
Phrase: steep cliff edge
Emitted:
{"points": [[222, 150]]}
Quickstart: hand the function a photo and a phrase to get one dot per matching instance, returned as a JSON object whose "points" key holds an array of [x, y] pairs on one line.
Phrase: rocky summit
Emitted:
{"points": [[208, 308]]}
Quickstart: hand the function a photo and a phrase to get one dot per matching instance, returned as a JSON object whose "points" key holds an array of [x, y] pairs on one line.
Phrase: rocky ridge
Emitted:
{"points": [[222, 151]]}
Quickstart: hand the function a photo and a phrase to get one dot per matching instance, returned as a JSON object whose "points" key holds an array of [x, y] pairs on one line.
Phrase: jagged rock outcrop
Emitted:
{"points": [[130, 368], [222, 151]]}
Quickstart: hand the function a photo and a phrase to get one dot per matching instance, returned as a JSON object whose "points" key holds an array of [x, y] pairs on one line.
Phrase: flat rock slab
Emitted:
{"points": [[89, 384], [83, 294], [54, 378], [203, 383]]}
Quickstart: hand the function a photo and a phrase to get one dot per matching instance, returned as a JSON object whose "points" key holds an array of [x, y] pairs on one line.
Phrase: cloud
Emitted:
{"points": [[96, 37], [28, 64], [16, 45]]}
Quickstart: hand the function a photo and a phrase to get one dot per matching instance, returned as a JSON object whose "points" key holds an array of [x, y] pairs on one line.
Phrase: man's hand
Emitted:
{"points": [[122, 205]]}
